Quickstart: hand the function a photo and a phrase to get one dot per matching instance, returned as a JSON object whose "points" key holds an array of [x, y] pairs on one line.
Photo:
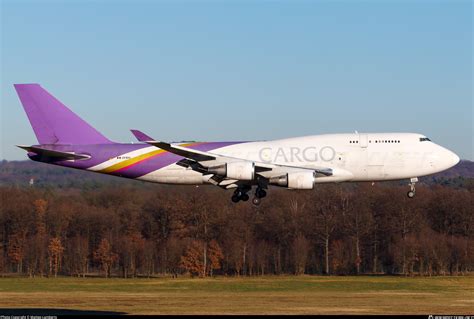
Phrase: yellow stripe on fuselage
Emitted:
{"points": [[136, 159]]}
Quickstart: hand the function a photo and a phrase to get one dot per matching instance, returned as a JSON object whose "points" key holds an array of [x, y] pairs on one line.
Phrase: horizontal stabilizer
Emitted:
{"points": [[53, 153]]}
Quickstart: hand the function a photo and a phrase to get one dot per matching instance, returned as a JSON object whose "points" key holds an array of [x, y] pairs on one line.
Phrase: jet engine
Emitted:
{"points": [[244, 171], [296, 180]]}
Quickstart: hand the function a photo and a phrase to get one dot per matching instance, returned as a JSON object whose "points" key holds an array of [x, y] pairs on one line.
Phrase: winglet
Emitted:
{"points": [[142, 137]]}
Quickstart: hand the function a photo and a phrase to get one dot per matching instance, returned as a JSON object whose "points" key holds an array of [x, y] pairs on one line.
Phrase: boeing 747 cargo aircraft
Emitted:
{"points": [[294, 163]]}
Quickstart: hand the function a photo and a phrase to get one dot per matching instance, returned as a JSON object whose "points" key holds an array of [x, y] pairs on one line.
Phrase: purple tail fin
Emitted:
{"points": [[52, 121]]}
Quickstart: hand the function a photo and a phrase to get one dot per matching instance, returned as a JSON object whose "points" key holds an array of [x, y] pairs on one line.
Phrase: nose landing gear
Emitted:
{"points": [[411, 192]]}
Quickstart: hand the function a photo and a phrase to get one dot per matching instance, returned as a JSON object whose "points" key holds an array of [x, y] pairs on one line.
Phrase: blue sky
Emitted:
{"points": [[243, 70]]}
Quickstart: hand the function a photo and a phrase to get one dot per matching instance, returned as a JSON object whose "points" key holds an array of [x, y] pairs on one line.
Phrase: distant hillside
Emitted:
{"points": [[464, 168], [461, 175], [21, 172]]}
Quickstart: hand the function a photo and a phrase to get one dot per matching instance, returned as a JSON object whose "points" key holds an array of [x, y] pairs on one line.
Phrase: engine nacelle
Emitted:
{"points": [[301, 180], [296, 180], [241, 170], [244, 171]]}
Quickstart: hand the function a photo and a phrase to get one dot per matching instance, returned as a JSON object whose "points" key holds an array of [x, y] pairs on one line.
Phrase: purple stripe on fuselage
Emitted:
{"points": [[164, 159]]}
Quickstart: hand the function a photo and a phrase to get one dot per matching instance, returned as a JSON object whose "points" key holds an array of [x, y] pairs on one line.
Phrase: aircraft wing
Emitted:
{"points": [[184, 151], [200, 161], [175, 149]]}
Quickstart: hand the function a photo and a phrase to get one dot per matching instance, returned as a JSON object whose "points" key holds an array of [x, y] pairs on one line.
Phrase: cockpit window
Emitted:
{"points": [[422, 139]]}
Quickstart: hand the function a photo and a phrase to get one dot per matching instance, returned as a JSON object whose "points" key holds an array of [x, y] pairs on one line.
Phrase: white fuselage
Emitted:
{"points": [[352, 157]]}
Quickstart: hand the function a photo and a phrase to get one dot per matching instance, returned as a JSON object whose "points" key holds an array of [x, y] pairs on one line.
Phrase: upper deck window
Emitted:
{"points": [[422, 139]]}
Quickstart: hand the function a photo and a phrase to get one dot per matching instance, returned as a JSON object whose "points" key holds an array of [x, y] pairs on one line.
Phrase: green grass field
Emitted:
{"points": [[264, 295]]}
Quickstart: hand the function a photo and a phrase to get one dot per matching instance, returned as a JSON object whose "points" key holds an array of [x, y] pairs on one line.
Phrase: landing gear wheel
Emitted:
{"points": [[256, 201], [411, 194], [240, 194], [235, 199]]}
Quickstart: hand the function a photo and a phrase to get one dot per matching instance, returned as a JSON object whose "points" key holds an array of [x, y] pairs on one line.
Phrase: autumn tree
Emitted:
{"points": [[55, 251], [215, 257], [105, 257], [192, 260], [38, 241], [340, 256], [16, 250]]}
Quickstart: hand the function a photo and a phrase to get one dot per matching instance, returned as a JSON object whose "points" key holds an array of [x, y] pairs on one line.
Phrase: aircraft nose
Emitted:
{"points": [[449, 158], [454, 159]]}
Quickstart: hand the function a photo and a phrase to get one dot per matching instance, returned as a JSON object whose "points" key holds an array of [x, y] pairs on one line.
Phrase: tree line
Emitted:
{"points": [[158, 230]]}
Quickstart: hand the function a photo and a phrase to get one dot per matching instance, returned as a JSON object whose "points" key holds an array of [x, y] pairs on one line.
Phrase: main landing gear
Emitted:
{"points": [[411, 192], [240, 194]]}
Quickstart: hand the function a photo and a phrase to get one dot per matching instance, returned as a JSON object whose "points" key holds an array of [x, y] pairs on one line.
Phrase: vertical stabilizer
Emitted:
{"points": [[52, 121]]}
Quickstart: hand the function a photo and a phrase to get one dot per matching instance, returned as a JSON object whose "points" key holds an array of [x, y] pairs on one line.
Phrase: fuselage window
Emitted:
{"points": [[423, 139]]}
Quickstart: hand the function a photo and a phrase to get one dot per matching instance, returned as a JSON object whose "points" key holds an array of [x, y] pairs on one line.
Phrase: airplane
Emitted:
{"points": [[293, 163]]}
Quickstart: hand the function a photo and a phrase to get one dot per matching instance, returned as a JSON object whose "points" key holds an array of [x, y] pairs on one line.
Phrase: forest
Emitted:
{"points": [[134, 229]]}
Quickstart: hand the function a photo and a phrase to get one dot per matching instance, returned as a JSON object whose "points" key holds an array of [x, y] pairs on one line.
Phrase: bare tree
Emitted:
{"points": [[326, 213], [300, 250]]}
